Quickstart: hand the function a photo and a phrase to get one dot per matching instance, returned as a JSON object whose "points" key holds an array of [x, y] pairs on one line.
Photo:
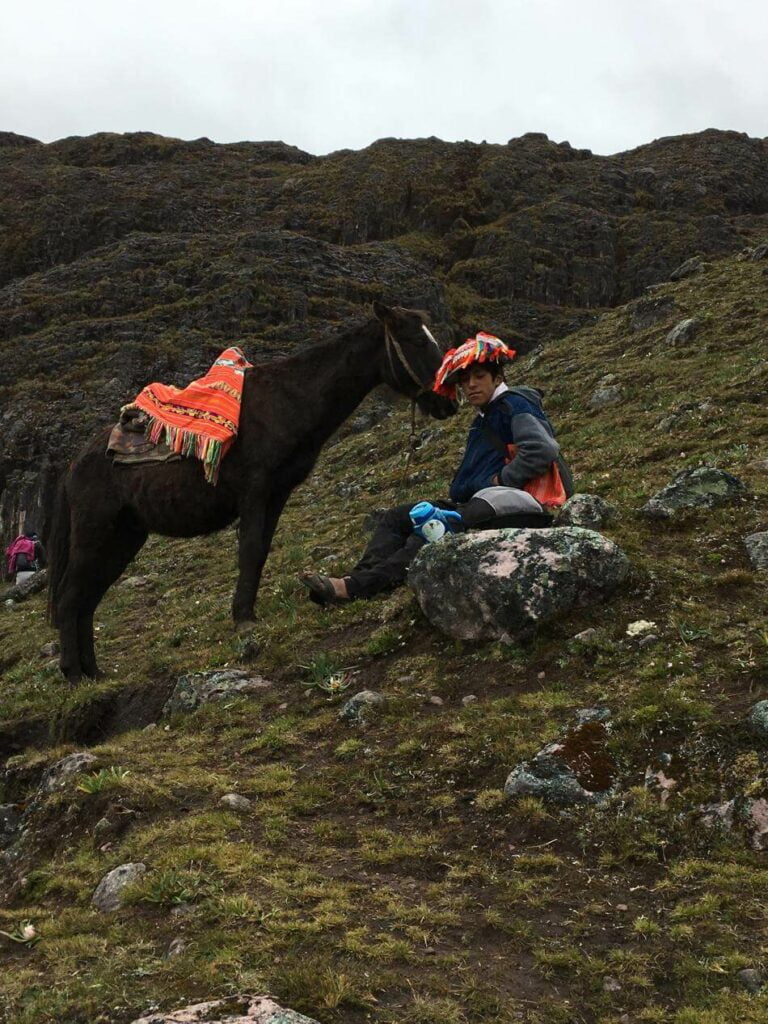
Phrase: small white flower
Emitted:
{"points": [[28, 932]]}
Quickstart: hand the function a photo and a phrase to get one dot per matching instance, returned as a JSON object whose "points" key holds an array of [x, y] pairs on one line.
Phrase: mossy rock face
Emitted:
{"points": [[701, 488], [499, 584]]}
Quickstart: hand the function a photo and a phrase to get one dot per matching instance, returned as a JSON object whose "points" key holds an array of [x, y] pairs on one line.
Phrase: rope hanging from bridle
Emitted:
{"points": [[392, 343]]}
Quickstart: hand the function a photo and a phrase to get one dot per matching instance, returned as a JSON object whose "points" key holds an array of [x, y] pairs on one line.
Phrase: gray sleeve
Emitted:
{"points": [[536, 450]]}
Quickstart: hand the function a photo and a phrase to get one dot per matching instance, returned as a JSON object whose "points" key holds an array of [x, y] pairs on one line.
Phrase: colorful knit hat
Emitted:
{"points": [[483, 348]]}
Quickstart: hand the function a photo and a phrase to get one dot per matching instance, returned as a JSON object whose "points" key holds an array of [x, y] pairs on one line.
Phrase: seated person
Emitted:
{"points": [[511, 451], [24, 555]]}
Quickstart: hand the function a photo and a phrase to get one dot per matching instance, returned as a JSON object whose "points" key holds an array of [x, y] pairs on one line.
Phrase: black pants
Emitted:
{"points": [[393, 546]]}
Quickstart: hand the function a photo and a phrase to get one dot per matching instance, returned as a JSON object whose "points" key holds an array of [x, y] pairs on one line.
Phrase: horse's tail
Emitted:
{"points": [[58, 549]]}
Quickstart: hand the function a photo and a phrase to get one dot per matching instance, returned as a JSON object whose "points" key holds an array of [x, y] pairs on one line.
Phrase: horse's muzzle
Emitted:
{"points": [[437, 406]]}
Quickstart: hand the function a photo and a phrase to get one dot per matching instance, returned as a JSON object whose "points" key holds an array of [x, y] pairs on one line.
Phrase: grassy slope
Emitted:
{"points": [[379, 875]]}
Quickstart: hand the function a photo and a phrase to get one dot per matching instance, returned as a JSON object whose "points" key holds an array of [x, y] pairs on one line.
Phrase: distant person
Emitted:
{"points": [[25, 556], [511, 473]]}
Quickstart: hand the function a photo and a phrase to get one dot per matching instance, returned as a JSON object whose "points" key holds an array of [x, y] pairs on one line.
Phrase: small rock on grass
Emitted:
{"points": [[586, 636], [577, 770], [688, 269], [750, 979], [757, 719], [176, 948], [109, 892], [589, 511], [360, 706], [57, 776], [235, 802], [757, 549], [50, 650], [683, 332], [602, 397]]}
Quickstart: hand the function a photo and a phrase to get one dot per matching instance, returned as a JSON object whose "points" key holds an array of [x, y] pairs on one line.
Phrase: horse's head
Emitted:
{"points": [[411, 358]]}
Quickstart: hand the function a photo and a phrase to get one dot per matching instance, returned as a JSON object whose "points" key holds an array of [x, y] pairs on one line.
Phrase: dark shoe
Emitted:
{"points": [[320, 588]]}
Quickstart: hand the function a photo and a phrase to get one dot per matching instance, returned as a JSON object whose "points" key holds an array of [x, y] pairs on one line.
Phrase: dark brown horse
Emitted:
{"points": [[290, 407]]}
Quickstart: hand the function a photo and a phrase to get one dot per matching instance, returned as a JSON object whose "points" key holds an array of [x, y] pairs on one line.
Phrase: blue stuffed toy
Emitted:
{"points": [[433, 523]]}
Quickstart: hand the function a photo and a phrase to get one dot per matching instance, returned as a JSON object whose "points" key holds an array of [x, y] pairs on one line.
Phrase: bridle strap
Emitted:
{"points": [[392, 343]]}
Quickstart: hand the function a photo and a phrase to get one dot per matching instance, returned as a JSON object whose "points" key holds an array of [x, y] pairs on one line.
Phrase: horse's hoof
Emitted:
{"points": [[245, 627]]}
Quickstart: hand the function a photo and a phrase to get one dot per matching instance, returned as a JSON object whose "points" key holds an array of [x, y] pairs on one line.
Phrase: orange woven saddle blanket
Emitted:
{"points": [[200, 420]]}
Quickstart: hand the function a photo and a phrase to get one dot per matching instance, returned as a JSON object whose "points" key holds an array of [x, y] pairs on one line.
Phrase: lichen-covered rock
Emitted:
{"points": [[690, 268], [757, 549], [57, 776], [576, 770], [235, 802], [360, 707], [610, 395], [235, 1010], [589, 511], [750, 979], [683, 331], [109, 893], [649, 311], [757, 719], [498, 584], [199, 688], [757, 823], [705, 487], [9, 821]]}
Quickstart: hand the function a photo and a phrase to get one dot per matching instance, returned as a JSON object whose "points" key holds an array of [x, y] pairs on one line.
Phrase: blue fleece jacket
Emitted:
{"points": [[517, 417]]}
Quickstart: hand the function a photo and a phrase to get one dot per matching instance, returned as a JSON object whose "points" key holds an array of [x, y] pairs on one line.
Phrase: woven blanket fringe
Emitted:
{"points": [[187, 442]]}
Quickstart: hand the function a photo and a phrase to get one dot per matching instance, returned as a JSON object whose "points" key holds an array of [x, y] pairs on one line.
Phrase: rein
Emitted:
{"points": [[392, 344]]}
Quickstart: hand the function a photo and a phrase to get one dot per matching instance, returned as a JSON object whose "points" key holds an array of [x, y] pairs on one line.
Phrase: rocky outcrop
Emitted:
{"points": [[500, 584]]}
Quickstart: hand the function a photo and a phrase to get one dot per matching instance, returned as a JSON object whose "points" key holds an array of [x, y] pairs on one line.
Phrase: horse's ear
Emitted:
{"points": [[384, 313]]}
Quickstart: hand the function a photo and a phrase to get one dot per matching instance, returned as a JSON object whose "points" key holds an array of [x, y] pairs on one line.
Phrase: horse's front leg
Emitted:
{"points": [[256, 531]]}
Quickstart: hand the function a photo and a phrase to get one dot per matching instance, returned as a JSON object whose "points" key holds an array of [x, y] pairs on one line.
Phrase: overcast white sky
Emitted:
{"points": [[332, 74]]}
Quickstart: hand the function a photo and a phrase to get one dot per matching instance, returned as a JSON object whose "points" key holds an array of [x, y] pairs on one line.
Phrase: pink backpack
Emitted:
{"points": [[21, 546]]}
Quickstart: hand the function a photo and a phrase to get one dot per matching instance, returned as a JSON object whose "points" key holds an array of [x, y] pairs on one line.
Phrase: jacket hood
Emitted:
{"points": [[532, 395]]}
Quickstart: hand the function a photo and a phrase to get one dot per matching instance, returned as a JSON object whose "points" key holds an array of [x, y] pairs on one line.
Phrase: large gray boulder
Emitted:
{"points": [[199, 688], [705, 487], [497, 584], [235, 1010]]}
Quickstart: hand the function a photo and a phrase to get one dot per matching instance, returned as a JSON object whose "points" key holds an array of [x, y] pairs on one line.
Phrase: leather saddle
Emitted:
{"points": [[128, 442]]}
